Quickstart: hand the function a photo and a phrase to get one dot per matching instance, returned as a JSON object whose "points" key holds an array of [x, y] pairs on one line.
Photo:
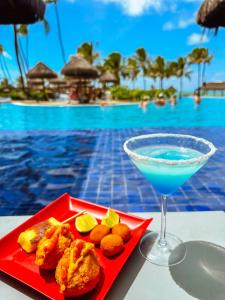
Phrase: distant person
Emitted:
{"points": [[173, 100], [143, 104], [197, 98], [160, 100]]}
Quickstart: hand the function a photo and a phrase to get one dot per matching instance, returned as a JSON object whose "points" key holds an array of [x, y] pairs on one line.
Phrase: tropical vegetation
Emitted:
{"points": [[138, 68]]}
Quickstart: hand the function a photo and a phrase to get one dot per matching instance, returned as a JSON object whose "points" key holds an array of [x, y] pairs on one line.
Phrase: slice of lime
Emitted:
{"points": [[111, 218], [85, 223]]}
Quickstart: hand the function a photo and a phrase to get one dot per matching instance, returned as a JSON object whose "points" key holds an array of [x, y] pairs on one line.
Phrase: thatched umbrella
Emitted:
{"points": [[79, 68], [108, 77], [41, 71], [59, 84], [212, 14], [21, 11], [35, 83]]}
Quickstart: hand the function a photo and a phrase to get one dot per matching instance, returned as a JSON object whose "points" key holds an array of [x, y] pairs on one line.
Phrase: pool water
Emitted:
{"points": [[48, 151], [185, 114]]}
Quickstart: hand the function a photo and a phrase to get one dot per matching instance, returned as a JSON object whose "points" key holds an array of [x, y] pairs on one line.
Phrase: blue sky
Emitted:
{"points": [[162, 27]]}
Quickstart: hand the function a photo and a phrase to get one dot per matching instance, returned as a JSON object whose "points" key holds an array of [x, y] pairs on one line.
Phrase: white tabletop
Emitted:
{"points": [[140, 279]]}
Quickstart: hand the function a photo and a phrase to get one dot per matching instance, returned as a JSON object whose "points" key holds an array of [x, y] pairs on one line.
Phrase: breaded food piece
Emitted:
{"points": [[52, 246], [122, 230], [98, 233], [29, 238], [111, 244], [78, 271]]}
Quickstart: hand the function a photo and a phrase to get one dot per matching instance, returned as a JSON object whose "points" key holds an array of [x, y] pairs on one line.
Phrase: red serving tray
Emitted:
{"points": [[20, 265]]}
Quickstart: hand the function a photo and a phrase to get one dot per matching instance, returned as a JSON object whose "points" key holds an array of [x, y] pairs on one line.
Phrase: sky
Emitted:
{"points": [[163, 27]]}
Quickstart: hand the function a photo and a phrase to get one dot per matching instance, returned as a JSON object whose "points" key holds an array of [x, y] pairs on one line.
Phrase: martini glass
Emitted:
{"points": [[167, 161]]}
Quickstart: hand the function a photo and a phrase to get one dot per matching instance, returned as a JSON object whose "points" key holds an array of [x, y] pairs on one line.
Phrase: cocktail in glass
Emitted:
{"points": [[167, 161]]}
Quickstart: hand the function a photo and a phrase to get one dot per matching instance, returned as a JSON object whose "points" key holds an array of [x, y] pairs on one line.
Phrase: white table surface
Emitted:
{"points": [[140, 279]]}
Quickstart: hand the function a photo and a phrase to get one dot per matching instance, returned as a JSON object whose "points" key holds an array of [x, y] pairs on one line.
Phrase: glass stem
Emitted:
{"points": [[162, 239]]}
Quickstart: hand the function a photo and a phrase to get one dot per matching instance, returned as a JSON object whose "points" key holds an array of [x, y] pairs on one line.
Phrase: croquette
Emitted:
{"points": [[98, 233], [122, 230], [111, 244], [52, 246], [78, 271]]}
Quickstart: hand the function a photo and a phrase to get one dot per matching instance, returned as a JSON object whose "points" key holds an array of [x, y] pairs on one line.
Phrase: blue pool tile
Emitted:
{"points": [[38, 166]]}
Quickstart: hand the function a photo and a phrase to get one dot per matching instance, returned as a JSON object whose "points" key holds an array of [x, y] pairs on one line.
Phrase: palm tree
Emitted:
{"points": [[206, 61], [3, 64], [88, 52], [113, 63], [23, 31], [55, 2], [197, 57], [133, 69], [160, 69], [4, 83], [143, 61], [181, 72]]}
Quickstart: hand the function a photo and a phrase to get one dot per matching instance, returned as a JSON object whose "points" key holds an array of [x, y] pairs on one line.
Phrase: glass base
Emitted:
{"points": [[171, 254]]}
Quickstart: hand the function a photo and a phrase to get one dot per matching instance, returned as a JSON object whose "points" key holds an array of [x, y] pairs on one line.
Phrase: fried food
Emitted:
{"points": [[78, 271], [122, 230], [98, 233], [52, 246], [29, 238], [111, 245]]}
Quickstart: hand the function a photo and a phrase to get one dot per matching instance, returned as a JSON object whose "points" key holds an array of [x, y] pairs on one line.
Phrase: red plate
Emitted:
{"points": [[20, 265]]}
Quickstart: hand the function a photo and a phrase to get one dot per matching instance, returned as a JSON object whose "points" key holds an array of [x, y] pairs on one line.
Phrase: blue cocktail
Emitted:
{"points": [[167, 161]]}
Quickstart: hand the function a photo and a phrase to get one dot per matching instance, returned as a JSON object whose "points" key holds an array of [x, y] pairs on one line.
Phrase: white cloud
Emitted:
{"points": [[7, 55], [197, 38], [136, 7], [139, 7], [168, 26], [181, 24]]}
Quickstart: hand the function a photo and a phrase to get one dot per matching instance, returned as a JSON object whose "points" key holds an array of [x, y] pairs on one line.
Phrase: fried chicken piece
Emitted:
{"points": [[29, 238], [52, 246], [98, 233], [78, 271], [122, 230], [111, 245]]}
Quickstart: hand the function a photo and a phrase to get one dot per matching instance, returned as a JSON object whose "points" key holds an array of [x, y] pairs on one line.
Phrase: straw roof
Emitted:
{"points": [[58, 81], [212, 14], [41, 71], [108, 77], [78, 67], [214, 86], [21, 11], [35, 81]]}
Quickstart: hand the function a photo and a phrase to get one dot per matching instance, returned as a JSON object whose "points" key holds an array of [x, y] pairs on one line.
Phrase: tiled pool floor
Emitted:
{"points": [[37, 167]]}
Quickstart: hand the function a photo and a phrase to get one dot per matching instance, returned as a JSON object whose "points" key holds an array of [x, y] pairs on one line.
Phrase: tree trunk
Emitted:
{"points": [[17, 56], [60, 33], [27, 51], [6, 69], [161, 83], [199, 77], [23, 57], [203, 72], [2, 68], [181, 87], [144, 82]]}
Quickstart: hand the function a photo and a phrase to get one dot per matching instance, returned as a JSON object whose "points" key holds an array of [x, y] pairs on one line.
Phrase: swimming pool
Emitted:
{"points": [[79, 150], [210, 114]]}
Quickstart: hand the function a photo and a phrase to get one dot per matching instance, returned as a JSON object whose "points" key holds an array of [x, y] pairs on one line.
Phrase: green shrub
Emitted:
{"points": [[124, 93], [17, 95], [36, 95]]}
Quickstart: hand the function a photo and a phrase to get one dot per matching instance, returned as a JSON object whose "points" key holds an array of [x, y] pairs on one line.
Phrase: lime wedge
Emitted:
{"points": [[85, 223], [111, 218]]}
